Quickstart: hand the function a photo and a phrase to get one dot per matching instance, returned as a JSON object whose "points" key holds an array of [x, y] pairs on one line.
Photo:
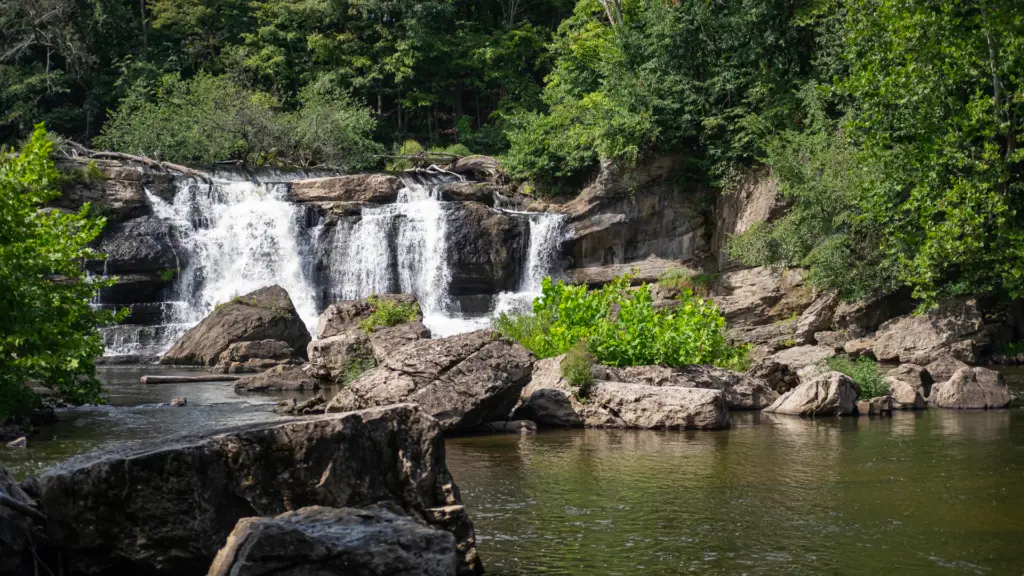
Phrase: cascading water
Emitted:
{"points": [[244, 234]]}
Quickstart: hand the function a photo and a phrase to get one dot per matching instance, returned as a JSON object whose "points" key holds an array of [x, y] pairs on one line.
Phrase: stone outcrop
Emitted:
{"points": [[481, 192], [917, 376], [831, 394], [348, 349], [119, 195], [623, 405], [488, 249], [140, 245], [478, 167], [943, 367], [755, 198], [257, 356], [463, 381], [613, 225], [167, 507], [648, 270], [279, 378], [816, 318], [973, 389], [782, 370], [319, 541], [266, 314], [956, 328], [860, 318], [742, 391], [373, 188]]}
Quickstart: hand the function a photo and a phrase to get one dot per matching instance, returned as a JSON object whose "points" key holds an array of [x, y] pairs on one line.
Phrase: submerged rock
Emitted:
{"points": [[830, 394], [319, 541], [463, 381], [266, 314], [973, 389], [121, 510]]}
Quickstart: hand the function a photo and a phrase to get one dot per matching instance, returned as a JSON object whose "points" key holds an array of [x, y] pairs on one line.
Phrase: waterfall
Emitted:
{"points": [[241, 234]]}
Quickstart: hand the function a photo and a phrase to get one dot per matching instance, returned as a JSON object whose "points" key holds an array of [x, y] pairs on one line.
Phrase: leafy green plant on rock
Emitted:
{"points": [[864, 372], [622, 327], [386, 312], [578, 369]]}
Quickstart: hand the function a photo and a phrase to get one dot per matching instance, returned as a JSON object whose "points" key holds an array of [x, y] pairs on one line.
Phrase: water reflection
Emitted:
{"points": [[918, 494]]}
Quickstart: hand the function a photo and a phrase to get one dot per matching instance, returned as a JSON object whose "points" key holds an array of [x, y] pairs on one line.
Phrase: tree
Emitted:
{"points": [[48, 332]]}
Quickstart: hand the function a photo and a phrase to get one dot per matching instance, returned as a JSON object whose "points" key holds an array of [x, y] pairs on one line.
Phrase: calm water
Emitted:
{"points": [[937, 492]]}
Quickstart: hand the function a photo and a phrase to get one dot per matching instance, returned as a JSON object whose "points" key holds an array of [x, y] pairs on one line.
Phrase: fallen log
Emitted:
{"points": [[163, 379], [165, 166]]}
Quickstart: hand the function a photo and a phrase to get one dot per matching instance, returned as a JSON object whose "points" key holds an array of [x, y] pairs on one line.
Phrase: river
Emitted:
{"points": [[933, 492]]}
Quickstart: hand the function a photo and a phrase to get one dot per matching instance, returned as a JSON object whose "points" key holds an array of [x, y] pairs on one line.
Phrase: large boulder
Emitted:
{"points": [[860, 318], [623, 405], [18, 536], [816, 318], [742, 391], [905, 396], [374, 188], [119, 195], [956, 328], [124, 510], [974, 389], [830, 394], [279, 378], [252, 357], [478, 167], [761, 296], [463, 381], [319, 541], [548, 399], [266, 314], [345, 349], [139, 245], [487, 249], [346, 315], [802, 356]]}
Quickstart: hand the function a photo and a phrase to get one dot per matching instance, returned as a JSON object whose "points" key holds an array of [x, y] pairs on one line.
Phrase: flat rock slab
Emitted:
{"points": [[319, 541], [742, 391], [463, 381], [622, 405], [167, 507], [279, 378]]}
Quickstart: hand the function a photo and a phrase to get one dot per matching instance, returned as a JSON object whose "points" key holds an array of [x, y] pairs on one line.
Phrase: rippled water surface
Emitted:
{"points": [[935, 492]]}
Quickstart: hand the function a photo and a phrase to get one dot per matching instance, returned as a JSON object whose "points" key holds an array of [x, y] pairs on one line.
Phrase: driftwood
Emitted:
{"points": [[151, 379], [149, 162]]}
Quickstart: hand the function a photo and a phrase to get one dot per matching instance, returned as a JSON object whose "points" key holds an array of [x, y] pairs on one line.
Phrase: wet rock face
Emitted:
{"points": [[830, 394], [140, 245], [487, 249], [120, 195], [318, 541], [463, 381], [121, 511], [266, 314]]}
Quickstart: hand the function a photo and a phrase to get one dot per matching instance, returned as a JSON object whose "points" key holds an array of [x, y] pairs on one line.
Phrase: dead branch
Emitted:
{"points": [[149, 162]]}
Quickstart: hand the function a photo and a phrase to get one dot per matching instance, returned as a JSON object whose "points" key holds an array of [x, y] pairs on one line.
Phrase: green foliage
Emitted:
{"points": [[622, 327], [386, 312], [578, 368], [1013, 349], [355, 368], [49, 333], [167, 274], [680, 279], [210, 119], [864, 372]]}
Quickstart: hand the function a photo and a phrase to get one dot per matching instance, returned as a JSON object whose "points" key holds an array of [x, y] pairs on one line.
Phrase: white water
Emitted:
{"points": [[244, 235]]}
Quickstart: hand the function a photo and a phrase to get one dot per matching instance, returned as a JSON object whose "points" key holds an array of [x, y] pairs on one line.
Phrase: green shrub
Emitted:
{"points": [[356, 367], [864, 372], [578, 368], [622, 327], [1013, 348], [387, 312], [680, 279]]}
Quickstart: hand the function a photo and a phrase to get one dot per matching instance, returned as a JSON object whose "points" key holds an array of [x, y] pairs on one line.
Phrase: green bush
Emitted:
{"points": [[864, 372], [622, 327], [578, 368], [387, 312], [679, 279], [48, 331]]}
